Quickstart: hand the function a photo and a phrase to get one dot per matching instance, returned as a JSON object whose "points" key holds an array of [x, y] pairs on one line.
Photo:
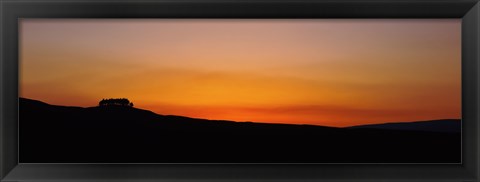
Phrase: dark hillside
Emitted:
{"points": [[126, 134]]}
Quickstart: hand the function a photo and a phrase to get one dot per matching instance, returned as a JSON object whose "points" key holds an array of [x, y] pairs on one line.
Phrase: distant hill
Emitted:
{"points": [[132, 117], [445, 125], [69, 134], [120, 113]]}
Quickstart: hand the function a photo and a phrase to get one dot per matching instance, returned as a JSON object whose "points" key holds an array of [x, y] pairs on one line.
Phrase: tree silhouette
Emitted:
{"points": [[115, 102]]}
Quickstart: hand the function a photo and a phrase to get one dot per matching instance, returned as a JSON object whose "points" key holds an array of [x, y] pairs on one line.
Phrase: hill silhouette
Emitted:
{"points": [[68, 134], [444, 125]]}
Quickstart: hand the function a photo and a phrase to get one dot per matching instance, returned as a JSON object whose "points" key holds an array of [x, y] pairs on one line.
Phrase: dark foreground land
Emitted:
{"points": [[58, 134]]}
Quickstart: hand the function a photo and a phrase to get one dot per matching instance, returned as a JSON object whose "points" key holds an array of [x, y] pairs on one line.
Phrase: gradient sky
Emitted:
{"points": [[325, 72]]}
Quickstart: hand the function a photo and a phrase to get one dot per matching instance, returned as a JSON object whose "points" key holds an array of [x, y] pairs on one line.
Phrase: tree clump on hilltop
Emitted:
{"points": [[115, 102]]}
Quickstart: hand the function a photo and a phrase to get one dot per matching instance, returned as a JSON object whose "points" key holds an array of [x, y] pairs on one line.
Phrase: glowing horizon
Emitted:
{"points": [[322, 72]]}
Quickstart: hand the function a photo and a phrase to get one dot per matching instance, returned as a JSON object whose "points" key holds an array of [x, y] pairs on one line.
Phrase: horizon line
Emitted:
{"points": [[367, 124]]}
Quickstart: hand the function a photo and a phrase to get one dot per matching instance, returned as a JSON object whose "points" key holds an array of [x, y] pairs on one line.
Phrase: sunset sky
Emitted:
{"points": [[332, 72]]}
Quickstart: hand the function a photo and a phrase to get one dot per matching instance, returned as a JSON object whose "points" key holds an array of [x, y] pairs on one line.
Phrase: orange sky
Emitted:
{"points": [[325, 72]]}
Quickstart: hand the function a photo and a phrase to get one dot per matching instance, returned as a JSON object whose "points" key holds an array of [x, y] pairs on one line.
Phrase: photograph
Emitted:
{"points": [[248, 91]]}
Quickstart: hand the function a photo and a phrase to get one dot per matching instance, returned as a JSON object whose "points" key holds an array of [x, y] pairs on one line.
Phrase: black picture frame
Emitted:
{"points": [[11, 11]]}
